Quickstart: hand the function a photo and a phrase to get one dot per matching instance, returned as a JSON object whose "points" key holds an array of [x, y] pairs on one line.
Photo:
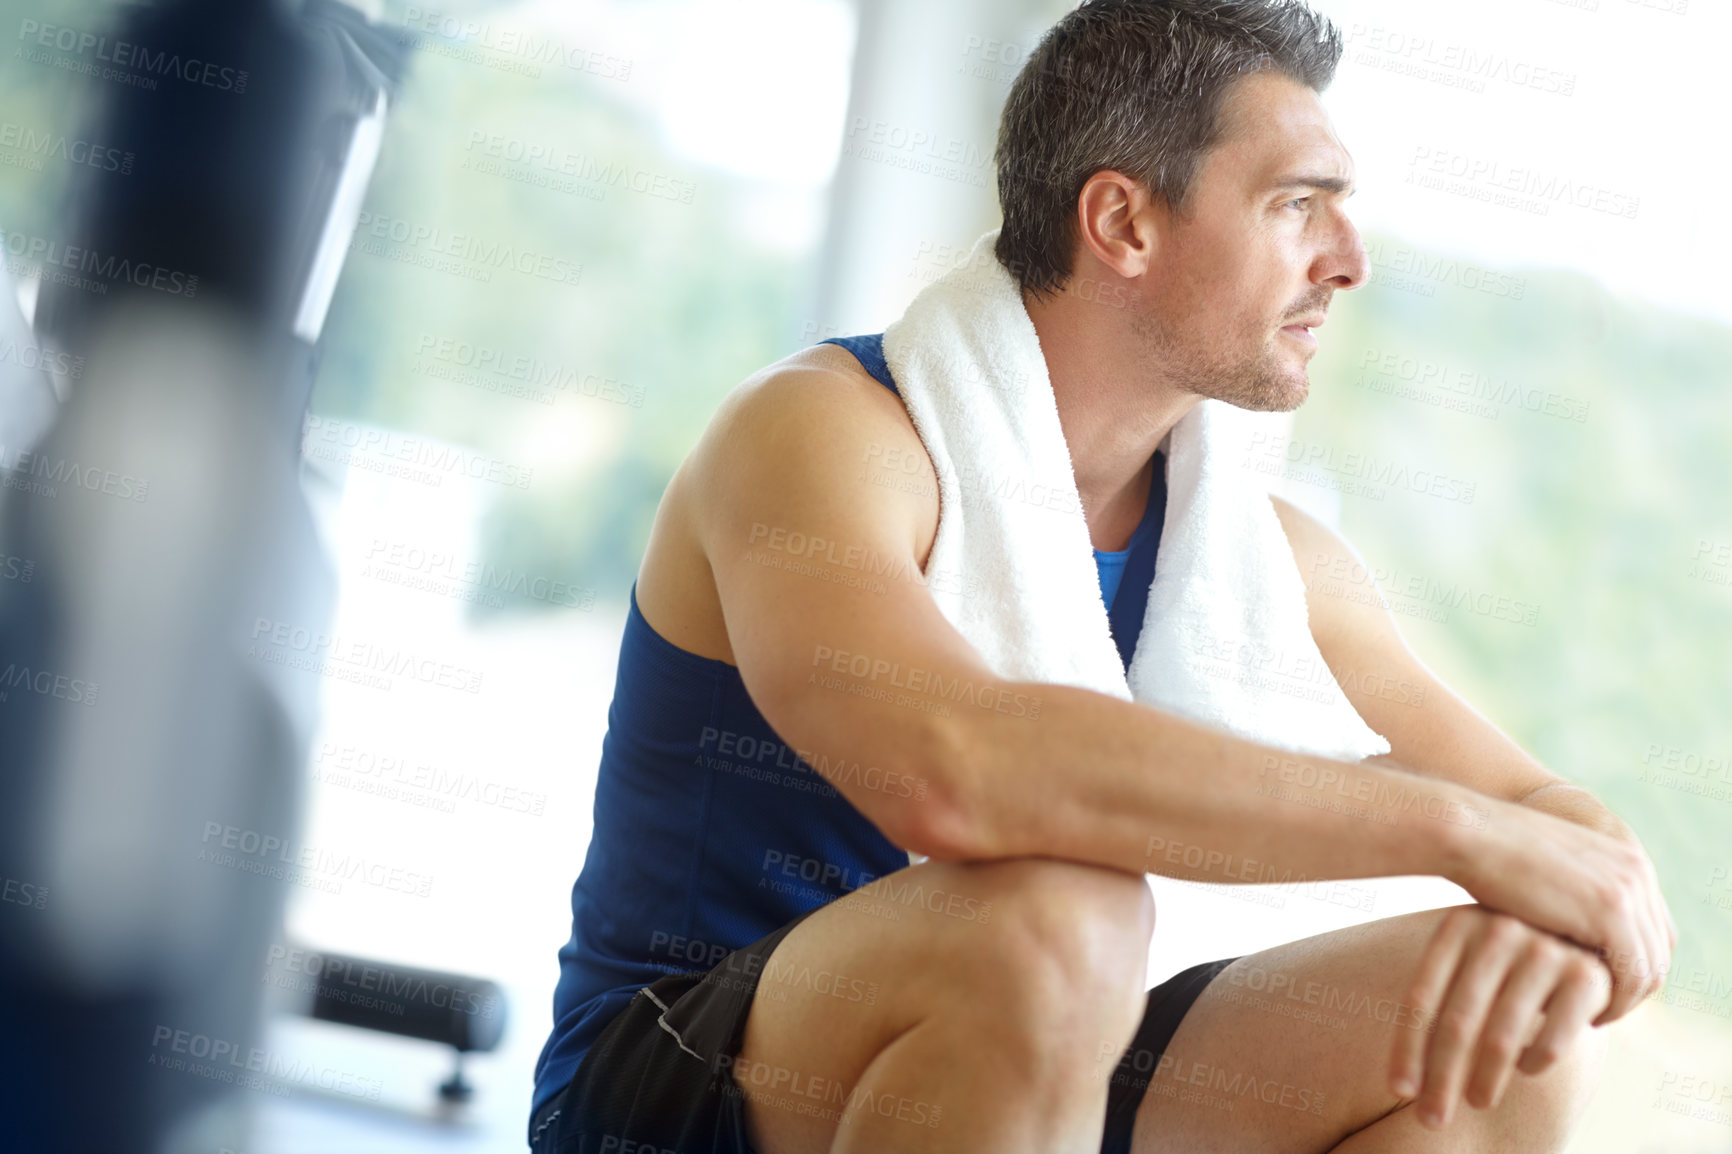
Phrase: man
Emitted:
{"points": [[752, 966]]}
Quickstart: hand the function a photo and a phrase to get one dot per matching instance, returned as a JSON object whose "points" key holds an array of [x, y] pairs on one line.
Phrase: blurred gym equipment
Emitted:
{"points": [[158, 516]]}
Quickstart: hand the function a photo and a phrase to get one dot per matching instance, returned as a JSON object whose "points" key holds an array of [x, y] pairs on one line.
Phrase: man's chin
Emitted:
{"points": [[1295, 397], [1280, 394]]}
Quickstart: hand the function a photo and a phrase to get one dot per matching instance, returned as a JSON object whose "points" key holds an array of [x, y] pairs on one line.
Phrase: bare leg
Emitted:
{"points": [[1287, 1052], [993, 989]]}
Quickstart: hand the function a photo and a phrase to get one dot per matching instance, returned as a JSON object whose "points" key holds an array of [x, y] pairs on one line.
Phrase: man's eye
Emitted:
{"points": [[1299, 203]]}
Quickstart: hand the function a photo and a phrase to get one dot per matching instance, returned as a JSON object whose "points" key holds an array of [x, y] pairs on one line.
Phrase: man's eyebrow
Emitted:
{"points": [[1335, 184]]}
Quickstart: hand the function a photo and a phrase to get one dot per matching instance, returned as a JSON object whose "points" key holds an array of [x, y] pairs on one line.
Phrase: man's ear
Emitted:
{"points": [[1115, 224]]}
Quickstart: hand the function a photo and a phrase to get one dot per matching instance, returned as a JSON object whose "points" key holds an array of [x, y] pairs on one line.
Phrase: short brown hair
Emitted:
{"points": [[1136, 86]]}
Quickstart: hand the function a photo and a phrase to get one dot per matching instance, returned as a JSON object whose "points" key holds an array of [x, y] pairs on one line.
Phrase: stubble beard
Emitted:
{"points": [[1261, 382]]}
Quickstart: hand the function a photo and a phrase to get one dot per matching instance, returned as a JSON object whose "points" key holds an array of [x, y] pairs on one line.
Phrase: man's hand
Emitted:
{"points": [[1503, 996], [1595, 890], [1551, 854]]}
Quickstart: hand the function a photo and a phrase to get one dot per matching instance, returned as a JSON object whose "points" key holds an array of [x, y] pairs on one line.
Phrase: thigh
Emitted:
{"points": [[864, 970], [1287, 1051]]}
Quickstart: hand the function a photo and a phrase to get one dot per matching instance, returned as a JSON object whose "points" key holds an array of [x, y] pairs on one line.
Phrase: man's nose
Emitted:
{"points": [[1347, 265]]}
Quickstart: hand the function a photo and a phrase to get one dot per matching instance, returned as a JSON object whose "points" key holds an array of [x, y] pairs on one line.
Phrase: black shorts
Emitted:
{"points": [[660, 1078]]}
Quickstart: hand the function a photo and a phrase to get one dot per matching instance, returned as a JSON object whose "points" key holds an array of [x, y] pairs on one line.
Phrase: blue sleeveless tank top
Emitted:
{"points": [[710, 831]]}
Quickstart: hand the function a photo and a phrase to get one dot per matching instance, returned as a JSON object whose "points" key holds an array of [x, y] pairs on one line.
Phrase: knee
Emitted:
{"points": [[1064, 952], [1565, 1087], [1540, 1110], [1087, 926]]}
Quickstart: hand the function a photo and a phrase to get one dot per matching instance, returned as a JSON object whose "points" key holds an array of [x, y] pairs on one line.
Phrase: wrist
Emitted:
{"points": [[1460, 851]]}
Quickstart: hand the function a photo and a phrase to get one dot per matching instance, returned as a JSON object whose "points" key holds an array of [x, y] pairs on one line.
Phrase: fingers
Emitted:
{"points": [[1509, 997], [1584, 987], [1640, 956], [1436, 967], [1631, 975], [1627, 954], [1641, 969], [1659, 956], [1668, 938], [1513, 1019], [1659, 919], [1485, 963]]}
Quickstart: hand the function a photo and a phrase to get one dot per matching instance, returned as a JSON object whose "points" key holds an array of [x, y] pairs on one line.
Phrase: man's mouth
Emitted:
{"points": [[1300, 330]]}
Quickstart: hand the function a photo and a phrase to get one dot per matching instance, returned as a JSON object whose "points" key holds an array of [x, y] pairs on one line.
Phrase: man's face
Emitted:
{"points": [[1259, 251]]}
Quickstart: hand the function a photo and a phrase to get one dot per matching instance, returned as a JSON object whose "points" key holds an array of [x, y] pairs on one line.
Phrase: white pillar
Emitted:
{"points": [[916, 173]]}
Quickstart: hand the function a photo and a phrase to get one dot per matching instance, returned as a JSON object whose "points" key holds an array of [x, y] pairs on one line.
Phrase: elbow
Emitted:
{"points": [[944, 817]]}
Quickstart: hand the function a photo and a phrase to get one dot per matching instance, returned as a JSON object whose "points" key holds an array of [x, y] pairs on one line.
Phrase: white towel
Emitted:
{"points": [[1225, 639]]}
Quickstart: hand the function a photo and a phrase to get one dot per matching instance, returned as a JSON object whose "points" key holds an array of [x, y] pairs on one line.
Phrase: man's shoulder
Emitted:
{"points": [[814, 382], [790, 448], [816, 441], [815, 403], [1316, 547]]}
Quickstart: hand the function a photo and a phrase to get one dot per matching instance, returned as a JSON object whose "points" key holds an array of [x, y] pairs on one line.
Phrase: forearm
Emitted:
{"points": [[1099, 780], [1574, 804]]}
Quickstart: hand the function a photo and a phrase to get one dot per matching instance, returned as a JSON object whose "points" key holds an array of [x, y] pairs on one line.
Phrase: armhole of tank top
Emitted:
{"points": [[877, 367], [668, 650]]}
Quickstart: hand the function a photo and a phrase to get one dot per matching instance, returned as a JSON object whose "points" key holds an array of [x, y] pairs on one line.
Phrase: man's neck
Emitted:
{"points": [[1114, 411]]}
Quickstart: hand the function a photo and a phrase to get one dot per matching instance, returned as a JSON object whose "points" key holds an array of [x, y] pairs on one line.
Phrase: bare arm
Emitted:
{"points": [[1441, 735], [1444, 737], [791, 502], [793, 523], [1577, 805]]}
